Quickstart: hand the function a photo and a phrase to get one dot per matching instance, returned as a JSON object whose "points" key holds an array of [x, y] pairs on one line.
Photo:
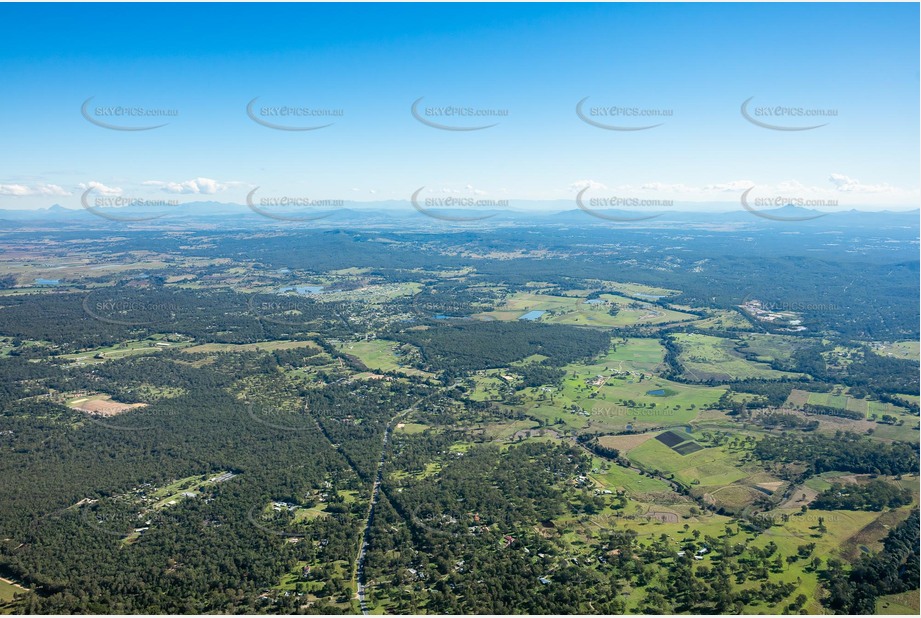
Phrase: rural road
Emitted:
{"points": [[358, 574]]}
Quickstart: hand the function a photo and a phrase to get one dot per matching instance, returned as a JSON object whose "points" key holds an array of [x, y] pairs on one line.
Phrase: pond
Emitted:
{"points": [[659, 392], [532, 315], [302, 289]]}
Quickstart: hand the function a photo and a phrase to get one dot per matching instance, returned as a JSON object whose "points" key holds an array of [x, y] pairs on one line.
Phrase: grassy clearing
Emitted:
{"points": [[380, 355], [618, 478], [840, 399], [268, 346], [764, 348], [8, 589], [574, 310], [124, 349], [905, 603], [908, 350], [638, 289], [488, 386], [909, 432], [721, 319], [620, 389], [714, 466], [410, 428], [706, 357], [180, 489]]}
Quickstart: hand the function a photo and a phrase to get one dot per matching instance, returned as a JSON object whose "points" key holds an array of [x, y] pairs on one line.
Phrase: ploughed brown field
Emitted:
{"points": [[103, 407]]}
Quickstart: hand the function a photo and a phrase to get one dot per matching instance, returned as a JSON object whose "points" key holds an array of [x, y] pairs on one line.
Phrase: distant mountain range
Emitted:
{"points": [[401, 213]]}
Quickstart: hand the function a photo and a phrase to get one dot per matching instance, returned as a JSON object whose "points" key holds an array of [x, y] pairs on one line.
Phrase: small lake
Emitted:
{"points": [[648, 296], [532, 315], [594, 301], [303, 290], [659, 392], [47, 282]]}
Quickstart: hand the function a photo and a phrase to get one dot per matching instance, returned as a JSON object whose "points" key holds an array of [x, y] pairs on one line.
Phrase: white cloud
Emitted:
{"points": [[203, 186], [790, 186], [852, 185], [586, 184], [52, 190], [733, 186], [17, 190], [467, 190], [100, 188]]}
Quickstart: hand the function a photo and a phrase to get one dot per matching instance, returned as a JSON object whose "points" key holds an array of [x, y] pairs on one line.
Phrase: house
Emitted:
{"points": [[543, 580]]}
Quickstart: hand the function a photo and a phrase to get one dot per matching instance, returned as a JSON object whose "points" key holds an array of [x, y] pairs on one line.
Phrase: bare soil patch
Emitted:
{"points": [[103, 406]]}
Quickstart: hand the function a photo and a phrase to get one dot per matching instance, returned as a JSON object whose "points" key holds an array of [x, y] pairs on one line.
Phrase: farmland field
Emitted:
{"points": [[8, 590], [268, 346], [578, 311], [908, 350], [706, 357], [380, 355]]}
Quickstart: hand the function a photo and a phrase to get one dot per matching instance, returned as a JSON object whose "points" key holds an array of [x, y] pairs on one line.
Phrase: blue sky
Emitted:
{"points": [[694, 63]]}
